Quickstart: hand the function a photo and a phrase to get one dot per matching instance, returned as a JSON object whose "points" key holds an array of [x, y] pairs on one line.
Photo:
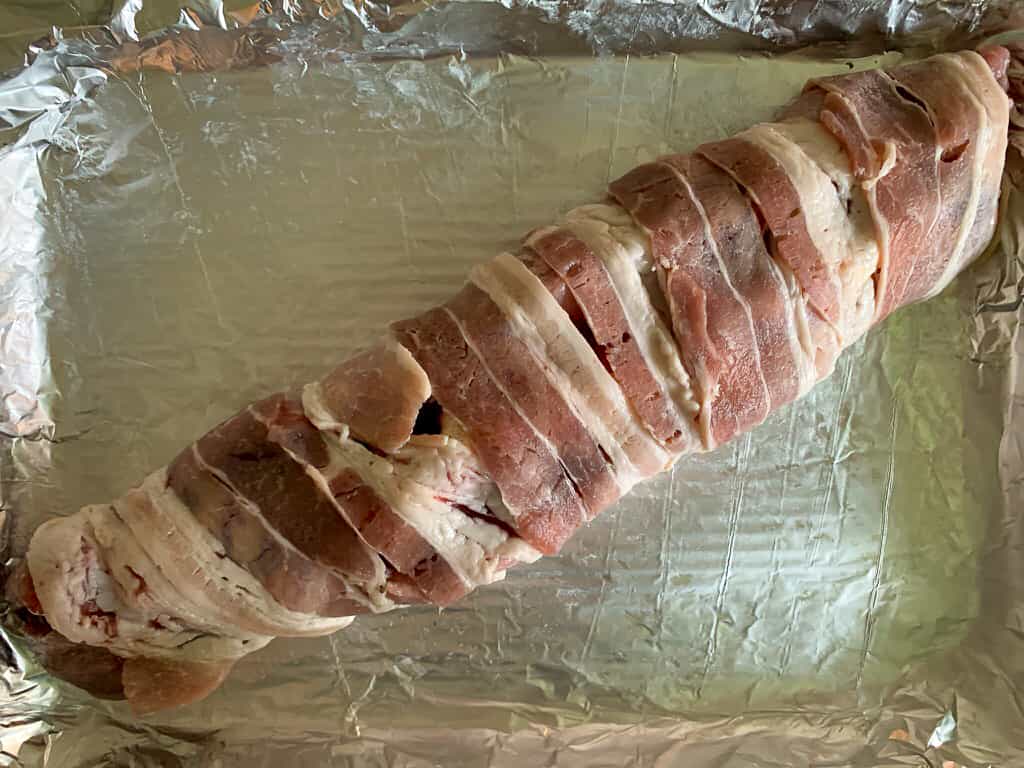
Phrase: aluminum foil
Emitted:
{"points": [[842, 587]]}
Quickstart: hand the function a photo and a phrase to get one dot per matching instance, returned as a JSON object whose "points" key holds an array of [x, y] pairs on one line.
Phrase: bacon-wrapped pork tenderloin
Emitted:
{"points": [[706, 291]]}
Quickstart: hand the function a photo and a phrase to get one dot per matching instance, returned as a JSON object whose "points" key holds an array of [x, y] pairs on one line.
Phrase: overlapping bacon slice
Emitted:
{"points": [[925, 143], [709, 290]]}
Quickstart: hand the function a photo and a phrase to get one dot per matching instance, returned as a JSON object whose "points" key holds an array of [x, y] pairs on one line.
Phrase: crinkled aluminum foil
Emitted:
{"points": [[842, 587]]}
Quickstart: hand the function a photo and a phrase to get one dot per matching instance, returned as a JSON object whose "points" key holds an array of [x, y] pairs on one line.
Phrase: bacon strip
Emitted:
{"points": [[520, 377], [891, 144], [977, 77], [435, 489], [752, 276], [838, 222], [951, 113], [359, 504], [776, 198], [571, 365], [532, 482], [554, 285], [296, 581], [195, 561], [610, 232], [711, 318], [958, 109], [588, 279], [243, 455]]}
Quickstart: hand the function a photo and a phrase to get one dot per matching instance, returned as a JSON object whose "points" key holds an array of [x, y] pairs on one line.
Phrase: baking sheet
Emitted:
{"points": [[841, 587]]}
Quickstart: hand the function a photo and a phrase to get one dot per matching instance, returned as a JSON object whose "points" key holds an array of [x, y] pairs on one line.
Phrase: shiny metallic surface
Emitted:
{"points": [[841, 587]]}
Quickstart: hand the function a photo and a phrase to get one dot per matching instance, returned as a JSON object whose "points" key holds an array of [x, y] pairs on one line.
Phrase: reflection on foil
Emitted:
{"points": [[176, 244], [34, 105], [208, 49], [200, 42], [422, 28]]}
